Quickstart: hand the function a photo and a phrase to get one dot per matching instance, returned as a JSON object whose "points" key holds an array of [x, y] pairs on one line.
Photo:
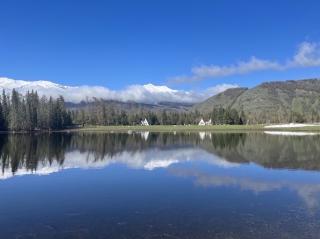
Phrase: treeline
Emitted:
{"points": [[29, 112], [227, 116], [100, 112]]}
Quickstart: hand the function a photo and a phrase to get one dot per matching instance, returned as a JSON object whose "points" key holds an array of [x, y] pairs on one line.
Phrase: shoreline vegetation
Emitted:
{"points": [[193, 128], [272, 129]]}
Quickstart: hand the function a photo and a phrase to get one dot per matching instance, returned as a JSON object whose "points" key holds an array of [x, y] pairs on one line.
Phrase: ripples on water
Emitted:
{"points": [[159, 185]]}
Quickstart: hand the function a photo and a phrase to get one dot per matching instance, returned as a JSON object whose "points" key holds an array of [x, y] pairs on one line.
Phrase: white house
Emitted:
{"points": [[144, 122], [202, 122], [209, 122]]}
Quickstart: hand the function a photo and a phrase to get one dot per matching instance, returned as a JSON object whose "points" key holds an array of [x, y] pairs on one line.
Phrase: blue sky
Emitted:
{"points": [[121, 43]]}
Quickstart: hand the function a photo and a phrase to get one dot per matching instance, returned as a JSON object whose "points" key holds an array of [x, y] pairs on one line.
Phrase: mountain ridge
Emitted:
{"points": [[271, 102]]}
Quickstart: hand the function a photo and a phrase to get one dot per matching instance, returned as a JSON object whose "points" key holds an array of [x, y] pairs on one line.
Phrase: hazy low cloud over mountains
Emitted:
{"points": [[148, 93]]}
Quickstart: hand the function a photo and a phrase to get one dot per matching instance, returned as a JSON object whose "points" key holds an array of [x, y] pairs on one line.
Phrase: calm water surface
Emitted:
{"points": [[159, 185]]}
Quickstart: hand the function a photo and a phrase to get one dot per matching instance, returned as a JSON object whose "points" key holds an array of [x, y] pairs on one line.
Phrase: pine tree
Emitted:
{"points": [[2, 120], [5, 109], [14, 123]]}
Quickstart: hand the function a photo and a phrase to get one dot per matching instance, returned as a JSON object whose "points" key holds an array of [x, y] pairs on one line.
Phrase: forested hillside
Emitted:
{"points": [[272, 102], [101, 112], [224, 100]]}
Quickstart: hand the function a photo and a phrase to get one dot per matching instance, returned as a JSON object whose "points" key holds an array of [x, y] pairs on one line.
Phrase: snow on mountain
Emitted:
{"points": [[148, 93], [20, 84], [158, 89]]}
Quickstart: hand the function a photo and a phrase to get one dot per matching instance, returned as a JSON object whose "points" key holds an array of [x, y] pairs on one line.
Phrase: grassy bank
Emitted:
{"points": [[190, 128]]}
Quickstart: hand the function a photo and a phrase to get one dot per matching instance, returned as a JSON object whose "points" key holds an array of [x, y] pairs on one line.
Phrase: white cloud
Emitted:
{"points": [[307, 55], [242, 67], [148, 93]]}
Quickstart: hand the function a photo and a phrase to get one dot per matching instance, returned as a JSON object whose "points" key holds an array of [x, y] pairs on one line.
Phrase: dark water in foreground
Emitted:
{"points": [[151, 185]]}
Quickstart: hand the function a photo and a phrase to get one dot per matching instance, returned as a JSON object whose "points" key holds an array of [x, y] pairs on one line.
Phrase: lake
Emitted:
{"points": [[159, 185]]}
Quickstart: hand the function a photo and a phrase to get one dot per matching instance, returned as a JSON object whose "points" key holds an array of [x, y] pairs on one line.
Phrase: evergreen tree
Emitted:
{"points": [[14, 123], [5, 109], [2, 120]]}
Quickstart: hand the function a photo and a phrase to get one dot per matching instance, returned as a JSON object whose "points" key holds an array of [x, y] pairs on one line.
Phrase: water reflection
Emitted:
{"points": [[242, 185], [44, 153], [309, 191]]}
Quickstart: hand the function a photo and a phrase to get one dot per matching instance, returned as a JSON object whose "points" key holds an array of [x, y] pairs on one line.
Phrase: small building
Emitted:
{"points": [[144, 122], [209, 122], [202, 123]]}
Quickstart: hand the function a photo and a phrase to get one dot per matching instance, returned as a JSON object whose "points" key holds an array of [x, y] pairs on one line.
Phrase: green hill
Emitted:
{"points": [[224, 100], [271, 102]]}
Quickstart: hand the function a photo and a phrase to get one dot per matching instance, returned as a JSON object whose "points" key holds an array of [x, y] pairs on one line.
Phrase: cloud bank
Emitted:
{"points": [[307, 55], [148, 93]]}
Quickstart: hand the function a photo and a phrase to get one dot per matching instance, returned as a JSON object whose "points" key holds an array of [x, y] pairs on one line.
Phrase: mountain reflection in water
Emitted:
{"points": [[242, 163], [44, 153]]}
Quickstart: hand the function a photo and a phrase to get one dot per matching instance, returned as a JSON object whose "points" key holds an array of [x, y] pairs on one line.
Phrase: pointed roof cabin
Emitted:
{"points": [[202, 122], [145, 122]]}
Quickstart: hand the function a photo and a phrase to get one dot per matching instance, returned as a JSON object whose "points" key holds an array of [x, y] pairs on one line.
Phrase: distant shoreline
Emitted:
{"points": [[189, 128], [180, 128]]}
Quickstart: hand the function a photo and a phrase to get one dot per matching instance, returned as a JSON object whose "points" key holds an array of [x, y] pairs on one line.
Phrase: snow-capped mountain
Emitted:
{"points": [[148, 93], [10, 84]]}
